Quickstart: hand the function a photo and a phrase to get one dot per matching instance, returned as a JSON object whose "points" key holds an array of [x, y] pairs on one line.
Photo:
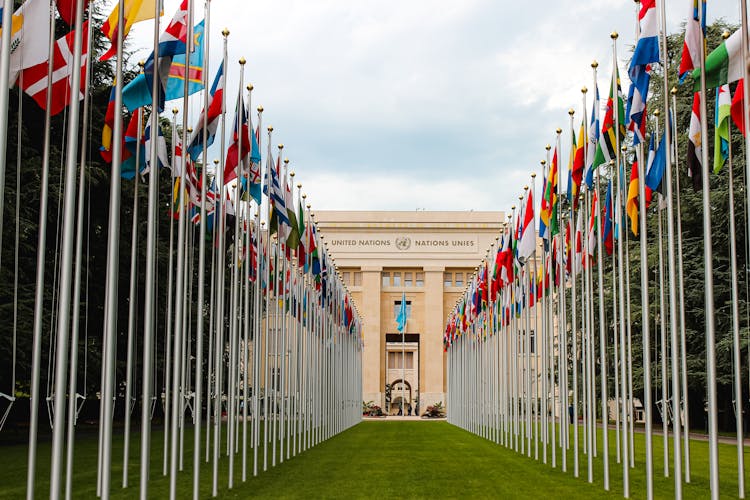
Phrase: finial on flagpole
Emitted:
{"points": [[308, 205], [190, 130], [174, 111], [513, 207], [584, 89], [657, 112], [216, 161], [614, 35], [725, 35], [526, 188], [281, 146], [304, 195], [543, 162], [533, 175], [559, 131], [611, 163], [571, 111], [286, 161], [250, 86], [624, 148], [270, 128], [260, 109], [242, 61], [594, 64], [291, 174], [225, 32], [262, 223], [674, 90], [299, 184]]}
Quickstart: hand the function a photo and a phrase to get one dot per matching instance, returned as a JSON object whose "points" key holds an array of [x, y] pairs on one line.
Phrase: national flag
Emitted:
{"points": [[134, 11], [109, 123], [721, 137], [527, 243], [655, 167], [293, 237], [610, 140], [608, 236], [646, 52], [195, 146], [695, 144], [29, 38], [171, 43], [302, 251], [578, 245], [67, 10], [579, 161], [548, 212], [34, 80], [129, 161], [723, 64], [278, 216], [631, 205], [738, 106], [694, 34], [160, 143], [506, 272], [593, 139], [240, 143], [593, 225]]}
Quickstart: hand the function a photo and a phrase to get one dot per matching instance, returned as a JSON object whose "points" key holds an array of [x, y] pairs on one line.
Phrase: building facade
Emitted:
{"points": [[425, 257]]}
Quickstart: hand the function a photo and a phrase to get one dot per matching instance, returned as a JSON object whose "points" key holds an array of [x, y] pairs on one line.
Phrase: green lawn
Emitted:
{"points": [[381, 459]]}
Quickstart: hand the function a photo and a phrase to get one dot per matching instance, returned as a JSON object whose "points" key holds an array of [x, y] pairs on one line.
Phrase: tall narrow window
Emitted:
{"points": [[447, 279], [407, 279], [386, 279]]}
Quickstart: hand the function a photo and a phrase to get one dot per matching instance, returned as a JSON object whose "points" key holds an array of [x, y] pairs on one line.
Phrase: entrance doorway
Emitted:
{"points": [[402, 374]]}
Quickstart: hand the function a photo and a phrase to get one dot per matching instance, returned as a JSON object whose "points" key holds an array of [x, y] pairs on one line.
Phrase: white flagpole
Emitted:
{"points": [[5, 53]]}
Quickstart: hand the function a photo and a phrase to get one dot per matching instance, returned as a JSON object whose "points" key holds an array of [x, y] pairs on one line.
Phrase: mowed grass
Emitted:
{"points": [[397, 459]]}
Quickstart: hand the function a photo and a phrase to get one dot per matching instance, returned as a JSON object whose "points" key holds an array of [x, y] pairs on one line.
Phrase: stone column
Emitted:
{"points": [[431, 341], [372, 389]]}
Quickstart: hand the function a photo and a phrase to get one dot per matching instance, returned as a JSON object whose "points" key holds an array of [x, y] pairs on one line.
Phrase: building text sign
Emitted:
{"points": [[402, 243]]}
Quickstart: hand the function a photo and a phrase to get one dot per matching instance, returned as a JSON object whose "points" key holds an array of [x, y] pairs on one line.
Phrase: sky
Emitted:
{"points": [[419, 104]]}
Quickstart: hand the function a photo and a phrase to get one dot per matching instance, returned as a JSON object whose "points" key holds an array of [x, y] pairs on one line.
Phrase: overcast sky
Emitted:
{"points": [[400, 105]]}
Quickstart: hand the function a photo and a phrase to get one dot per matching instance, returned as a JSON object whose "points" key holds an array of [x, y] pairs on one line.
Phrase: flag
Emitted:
{"points": [[195, 146], [527, 243], [506, 271], [109, 123], [292, 239], [548, 212], [578, 261], [721, 137], [29, 38], [240, 142], [172, 42], [278, 216], [593, 138], [646, 51], [609, 141], [608, 237], [593, 225], [302, 251], [129, 160], [695, 143], [656, 165], [579, 161], [134, 11], [161, 148], [738, 106], [67, 10], [691, 47], [34, 80], [723, 64]]}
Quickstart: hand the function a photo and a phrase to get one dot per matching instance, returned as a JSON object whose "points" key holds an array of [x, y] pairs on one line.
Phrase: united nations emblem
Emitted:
{"points": [[403, 242]]}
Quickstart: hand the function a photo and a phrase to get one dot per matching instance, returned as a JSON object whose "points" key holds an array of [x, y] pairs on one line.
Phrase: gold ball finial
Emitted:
{"points": [[291, 174], [174, 111], [526, 188], [242, 61], [584, 89], [547, 147], [558, 130], [624, 148], [249, 87], [304, 195], [280, 146], [725, 35], [657, 112], [270, 128], [216, 161], [513, 207], [497, 238], [614, 35], [263, 223], [190, 130], [286, 161], [543, 162], [611, 163], [571, 111], [520, 196], [533, 175], [674, 91], [299, 184], [141, 63], [260, 109], [225, 32], [308, 205], [594, 64]]}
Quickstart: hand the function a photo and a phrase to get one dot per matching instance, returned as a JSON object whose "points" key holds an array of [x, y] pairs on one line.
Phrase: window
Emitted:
{"points": [[386, 279], [396, 279], [448, 279], [420, 279], [397, 306], [357, 278], [396, 360], [407, 279], [346, 276], [459, 279]]}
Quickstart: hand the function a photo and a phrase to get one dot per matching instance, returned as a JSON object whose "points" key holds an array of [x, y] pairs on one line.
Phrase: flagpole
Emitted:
{"points": [[36, 361], [574, 316], [73, 391], [681, 281], [713, 438], [66, 258], [536, 327], [200, 322]]}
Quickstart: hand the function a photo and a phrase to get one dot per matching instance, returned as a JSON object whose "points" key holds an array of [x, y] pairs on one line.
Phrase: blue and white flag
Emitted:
{"points": [[402, 314], [646, 52]]}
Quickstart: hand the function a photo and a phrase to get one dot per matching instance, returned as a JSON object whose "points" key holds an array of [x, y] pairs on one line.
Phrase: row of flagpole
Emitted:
{"points": [[521, 342], [282, 371]]}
